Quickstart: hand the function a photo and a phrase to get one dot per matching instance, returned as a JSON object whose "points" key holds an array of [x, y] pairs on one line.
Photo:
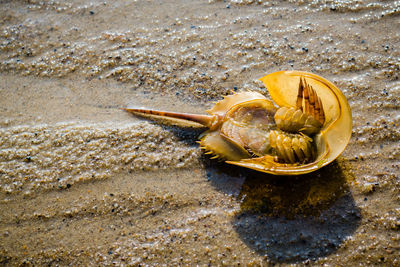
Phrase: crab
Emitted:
{"points": [[307, 126]]}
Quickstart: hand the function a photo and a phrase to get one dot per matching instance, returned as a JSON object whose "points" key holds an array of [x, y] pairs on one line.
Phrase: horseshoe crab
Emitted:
{"points": [[309, 128]]}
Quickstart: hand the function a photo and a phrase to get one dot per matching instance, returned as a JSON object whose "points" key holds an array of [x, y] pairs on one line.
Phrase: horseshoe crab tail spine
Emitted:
{"points": [[206, 120]]}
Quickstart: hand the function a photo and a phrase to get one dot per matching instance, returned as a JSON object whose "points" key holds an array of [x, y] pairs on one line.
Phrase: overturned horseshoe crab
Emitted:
{"points": [[309, 128]]}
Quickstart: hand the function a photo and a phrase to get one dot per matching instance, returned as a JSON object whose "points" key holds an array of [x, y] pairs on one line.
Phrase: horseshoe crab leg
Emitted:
{"points": [[312, 103]]}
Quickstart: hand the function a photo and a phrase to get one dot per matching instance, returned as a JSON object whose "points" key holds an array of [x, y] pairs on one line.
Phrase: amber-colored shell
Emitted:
{"points": [[309, 129], [334, 135]]}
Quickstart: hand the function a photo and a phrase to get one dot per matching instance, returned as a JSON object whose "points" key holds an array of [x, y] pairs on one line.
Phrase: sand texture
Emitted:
{"points": [[84, 183]]}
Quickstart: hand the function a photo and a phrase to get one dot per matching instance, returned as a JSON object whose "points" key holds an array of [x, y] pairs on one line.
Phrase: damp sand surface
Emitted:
{"points": [[84, 183]]}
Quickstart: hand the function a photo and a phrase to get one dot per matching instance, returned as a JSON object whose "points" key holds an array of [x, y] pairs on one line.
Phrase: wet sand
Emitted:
{"points": [[84, 183]]}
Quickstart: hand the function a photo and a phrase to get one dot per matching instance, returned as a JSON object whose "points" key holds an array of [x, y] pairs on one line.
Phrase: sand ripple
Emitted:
{"points": [[57, 156]]}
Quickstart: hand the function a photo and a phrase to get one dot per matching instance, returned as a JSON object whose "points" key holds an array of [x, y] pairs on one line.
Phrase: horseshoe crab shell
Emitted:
{"points": [[334, 135], [246, 128]]}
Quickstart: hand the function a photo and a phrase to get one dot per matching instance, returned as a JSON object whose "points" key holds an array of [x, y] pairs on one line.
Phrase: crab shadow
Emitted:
{"points": [[286, 219], [290, 219]]}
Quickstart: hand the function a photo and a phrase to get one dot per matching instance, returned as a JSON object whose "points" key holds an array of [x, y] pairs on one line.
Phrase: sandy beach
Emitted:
{"points": [[84, 183]]}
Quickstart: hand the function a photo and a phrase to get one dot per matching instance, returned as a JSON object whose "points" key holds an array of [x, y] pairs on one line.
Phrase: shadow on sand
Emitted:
{"points": [[290, 219], [287, 219]]}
